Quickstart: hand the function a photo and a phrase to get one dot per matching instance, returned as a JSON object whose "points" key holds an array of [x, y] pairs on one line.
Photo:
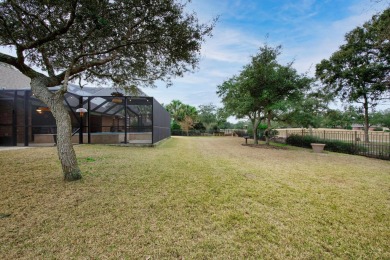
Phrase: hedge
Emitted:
{"points": [[330, 145]]}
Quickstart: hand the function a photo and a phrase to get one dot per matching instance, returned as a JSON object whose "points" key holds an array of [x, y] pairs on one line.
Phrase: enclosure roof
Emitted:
{"points": [[98, 91]]}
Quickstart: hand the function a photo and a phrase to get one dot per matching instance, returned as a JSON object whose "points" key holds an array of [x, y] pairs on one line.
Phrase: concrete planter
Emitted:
{"points": [[317, 148]]}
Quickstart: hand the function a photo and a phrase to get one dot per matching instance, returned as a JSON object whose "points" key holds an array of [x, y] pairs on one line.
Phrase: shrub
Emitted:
{"points": [[302, 141], [240, 132], [199, 126], [378, 129], [341, 147], [330, 145], [273, 133], [175, 126], [250, 132]]}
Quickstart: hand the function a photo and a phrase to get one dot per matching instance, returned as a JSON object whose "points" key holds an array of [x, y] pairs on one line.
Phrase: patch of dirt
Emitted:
{"points": [[4, 215], [264, 146]]}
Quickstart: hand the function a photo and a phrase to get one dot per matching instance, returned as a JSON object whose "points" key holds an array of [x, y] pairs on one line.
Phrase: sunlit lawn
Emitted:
{"points": [[194, 198]]}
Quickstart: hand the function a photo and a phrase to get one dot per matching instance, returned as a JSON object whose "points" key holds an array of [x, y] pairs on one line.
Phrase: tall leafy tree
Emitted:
{"points": [[238, 101], [275, 85], [183, 114], [262, 89], [222, 116], [385, 121], [381, 118], [359, 71], [110, 42], [207, 115], [175, 109], [307, 110]]}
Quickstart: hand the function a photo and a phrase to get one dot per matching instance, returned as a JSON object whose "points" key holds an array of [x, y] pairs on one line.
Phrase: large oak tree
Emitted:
{"points": [[360, 70], [121, 43], [262, 89]]}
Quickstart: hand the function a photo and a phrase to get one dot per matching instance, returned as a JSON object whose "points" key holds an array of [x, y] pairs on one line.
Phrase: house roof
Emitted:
{"points": [[11, 78]]}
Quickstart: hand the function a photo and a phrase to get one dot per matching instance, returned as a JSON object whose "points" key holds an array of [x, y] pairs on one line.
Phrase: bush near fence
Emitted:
{"points": [[330, 145], [345, 141], [220, 132]]}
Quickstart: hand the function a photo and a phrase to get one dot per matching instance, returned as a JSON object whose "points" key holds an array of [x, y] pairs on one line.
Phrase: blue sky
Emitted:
{"points": [[308, 30]]}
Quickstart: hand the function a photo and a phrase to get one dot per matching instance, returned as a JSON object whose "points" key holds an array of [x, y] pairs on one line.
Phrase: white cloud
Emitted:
{"points": [[230, 49], [230, 45], [242, 29]]}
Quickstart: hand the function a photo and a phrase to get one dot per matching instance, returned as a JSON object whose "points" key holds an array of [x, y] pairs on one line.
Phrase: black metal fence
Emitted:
{"points": [[376, 144]]}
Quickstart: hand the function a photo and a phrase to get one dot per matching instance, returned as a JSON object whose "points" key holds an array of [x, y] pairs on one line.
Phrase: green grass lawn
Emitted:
{"points": [[194, 198]]}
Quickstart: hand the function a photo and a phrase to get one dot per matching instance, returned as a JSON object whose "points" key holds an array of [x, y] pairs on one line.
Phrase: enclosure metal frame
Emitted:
{"points": [[159, 116]]}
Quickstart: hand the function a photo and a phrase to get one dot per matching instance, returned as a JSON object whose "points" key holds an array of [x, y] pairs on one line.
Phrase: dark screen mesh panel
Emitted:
{"points": [[161, 122], [24, 119], [7, 125]]}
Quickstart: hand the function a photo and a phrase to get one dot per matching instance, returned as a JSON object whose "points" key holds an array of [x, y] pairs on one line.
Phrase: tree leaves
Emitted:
{"points": [[122, 42]]}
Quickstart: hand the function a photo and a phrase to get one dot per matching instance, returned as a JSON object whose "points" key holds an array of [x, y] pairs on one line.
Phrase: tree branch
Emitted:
{"points": [[113, 49], [30, 14], [26, 70], [51, 36], [49, 67], [8, 31], [84, 67]]}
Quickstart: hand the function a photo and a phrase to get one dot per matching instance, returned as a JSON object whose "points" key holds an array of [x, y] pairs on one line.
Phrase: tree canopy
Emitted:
{"points": [[262, 88], [207, 114], [121, 43], [359, 71]]}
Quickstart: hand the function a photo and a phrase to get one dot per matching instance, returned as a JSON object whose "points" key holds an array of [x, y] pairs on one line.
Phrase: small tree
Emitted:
{"points": [[117, 42], [189, 115], [187, 124]]}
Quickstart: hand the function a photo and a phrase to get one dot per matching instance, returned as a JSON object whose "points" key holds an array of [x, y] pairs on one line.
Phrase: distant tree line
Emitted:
{"points": [[205, 118]]}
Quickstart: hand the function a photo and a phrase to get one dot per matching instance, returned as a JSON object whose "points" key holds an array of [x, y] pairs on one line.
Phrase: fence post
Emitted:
{"points": [[324, 134], [302, 132]]}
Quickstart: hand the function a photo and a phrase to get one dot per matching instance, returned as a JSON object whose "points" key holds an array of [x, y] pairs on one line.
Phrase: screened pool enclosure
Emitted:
{"points": [[109, 117]]}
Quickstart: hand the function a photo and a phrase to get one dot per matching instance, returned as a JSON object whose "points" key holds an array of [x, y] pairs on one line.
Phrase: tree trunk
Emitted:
{"points": [[255, 124], [65, 150], [268, 130], [366, 122]]}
